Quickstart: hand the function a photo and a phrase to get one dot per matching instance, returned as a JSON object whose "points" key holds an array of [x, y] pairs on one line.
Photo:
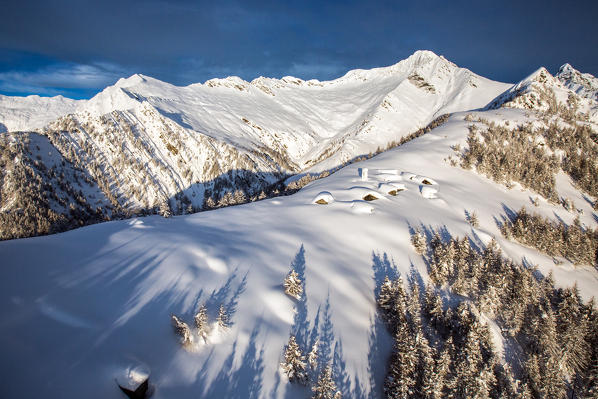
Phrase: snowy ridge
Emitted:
{"points": [[33, 112], [584, 84], [148, 141], [543, 92]]}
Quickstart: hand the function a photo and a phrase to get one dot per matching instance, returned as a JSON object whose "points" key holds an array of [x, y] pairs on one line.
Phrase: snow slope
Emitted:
{"points": [[80, 309], [308, 121], [146, 141], [33, 112]]}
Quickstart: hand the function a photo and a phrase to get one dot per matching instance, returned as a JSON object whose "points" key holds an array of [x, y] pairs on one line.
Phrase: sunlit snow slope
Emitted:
{"points": [[80, 308], [32, 112]]}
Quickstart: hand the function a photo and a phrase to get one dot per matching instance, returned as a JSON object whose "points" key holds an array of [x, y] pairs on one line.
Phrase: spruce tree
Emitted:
{"points": [[312, 357], [325, 388], [433, 306], [400, 379], [201, 322], [222, 319], [293, 286], [165, 209], [209, 203], [386, 297], [183, 331], [294, 362], [418, 240]]}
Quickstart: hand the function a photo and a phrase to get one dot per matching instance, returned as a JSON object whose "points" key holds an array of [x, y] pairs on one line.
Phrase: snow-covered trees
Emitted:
{"points": [[578, 244], [526, 155], [507, 155], [183, 331], [222, 319], [201, 322], [165, 209], [472, 219], [203, 329], [312, 357], [400, 378], [446, 349], [418, 240], [294, 362], [325, 388], [293, 286]]}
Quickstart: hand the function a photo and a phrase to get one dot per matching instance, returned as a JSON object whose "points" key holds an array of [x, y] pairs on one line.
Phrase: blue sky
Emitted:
{"points": [[76, 48]]}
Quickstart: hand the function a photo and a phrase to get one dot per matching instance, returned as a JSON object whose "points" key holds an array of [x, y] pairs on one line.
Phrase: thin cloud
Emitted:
{"points": [[55, 78]]}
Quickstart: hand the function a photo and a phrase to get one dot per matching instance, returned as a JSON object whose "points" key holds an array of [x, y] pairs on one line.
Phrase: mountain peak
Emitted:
{"points": [[566, 68], [424, 54], [132, 80], [584, 84]]}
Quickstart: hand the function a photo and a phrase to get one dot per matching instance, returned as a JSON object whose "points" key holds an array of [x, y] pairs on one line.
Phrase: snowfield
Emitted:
{"points": [[149, 141], [33, 112], [86, 308]]}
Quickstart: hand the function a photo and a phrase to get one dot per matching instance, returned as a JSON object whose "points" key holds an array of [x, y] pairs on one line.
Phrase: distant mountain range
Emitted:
{"points": [[143, 144]]}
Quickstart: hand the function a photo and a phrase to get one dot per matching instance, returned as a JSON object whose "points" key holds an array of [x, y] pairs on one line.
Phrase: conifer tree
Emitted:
{"points": [[201, 322], [293, 286], [239, 197], [222, 319], [426, 374], [165, 209], [442, 367], [325, 387], [183, 331], [433, 306], [386, 298], [473, 219], [312, 357], [294, 362], [400, 379], [414, 309], [572, 329], [209, 203], [418, 240]]}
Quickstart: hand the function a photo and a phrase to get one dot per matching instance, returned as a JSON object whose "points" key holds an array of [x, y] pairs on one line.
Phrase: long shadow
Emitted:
{"points": [[231, 305], [326, 336], [218, 297], [300, 326], [247, 380], [511, 214], [382, 268], [241, 382], [343, 383], [379, 341]]}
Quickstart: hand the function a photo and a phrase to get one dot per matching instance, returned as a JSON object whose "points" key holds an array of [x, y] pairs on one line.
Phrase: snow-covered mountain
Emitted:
{"points": [[33, 112], [568, 91], [91, 308], [147, 142], [584, 84]]}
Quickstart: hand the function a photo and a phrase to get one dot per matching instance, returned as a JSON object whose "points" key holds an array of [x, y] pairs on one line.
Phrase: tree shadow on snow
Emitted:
{"points": [[218, 297], [300, 326], [242, 382], [379, 341], [382, 267]]}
